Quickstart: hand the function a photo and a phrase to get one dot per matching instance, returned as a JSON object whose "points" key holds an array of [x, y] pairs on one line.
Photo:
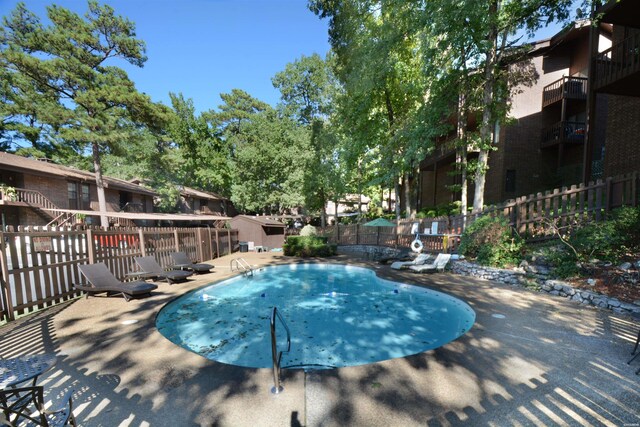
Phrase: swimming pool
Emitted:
{"points": [[338, 316]]}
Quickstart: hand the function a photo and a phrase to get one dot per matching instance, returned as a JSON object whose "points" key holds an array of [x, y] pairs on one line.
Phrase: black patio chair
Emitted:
{"points": [[150, 267], [182, 262], [101, 280]]}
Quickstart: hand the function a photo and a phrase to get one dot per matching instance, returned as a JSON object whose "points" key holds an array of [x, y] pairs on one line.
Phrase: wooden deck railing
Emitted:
{"points": [[619, 61], [564, 88], [563, 132]]}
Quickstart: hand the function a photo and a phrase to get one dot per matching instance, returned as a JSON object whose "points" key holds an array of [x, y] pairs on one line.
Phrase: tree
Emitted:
{"points": [[492, 24], [375, 45], [307, 88], [271, 155], [68, 63], [203, 156]]}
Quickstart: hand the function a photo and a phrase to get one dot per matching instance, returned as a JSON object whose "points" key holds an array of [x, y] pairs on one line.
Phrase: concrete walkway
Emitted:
{"points": [[529, 360]]}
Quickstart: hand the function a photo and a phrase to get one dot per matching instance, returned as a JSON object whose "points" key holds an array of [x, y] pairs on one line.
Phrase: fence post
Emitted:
{"points": [[143, 244], [4, 282], [608, 195], [176, 240], [199, 244], [217, 244], [91, 246], [229, 241]]}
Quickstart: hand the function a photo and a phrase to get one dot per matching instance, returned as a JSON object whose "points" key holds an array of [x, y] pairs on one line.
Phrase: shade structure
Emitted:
{"points": [[380, 222]]}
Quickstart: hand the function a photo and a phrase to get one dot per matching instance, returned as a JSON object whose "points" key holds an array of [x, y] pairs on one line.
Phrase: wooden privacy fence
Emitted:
{"points": [[529, 215], [39, 268], [400, 236]]}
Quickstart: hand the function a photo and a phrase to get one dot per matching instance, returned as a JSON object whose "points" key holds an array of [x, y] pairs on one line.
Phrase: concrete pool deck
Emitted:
{"points": [[530, 359]]}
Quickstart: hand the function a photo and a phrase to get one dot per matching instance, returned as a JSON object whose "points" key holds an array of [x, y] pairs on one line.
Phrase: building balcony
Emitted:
{"points": [[564, 88], [618, 68], [563, 133]]}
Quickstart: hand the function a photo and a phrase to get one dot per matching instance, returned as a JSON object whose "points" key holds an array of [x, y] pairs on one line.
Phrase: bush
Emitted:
{"points": [[492, 242], [609, 240], [308, 230], [308, 246]]}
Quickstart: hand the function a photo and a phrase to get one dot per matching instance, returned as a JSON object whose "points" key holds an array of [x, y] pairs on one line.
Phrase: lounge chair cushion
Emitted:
{"points": [[439, 264], [419, 260]]}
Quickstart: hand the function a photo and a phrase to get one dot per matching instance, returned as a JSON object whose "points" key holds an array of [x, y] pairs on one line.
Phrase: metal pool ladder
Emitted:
{"points": [[277, 356], [242, 265]]}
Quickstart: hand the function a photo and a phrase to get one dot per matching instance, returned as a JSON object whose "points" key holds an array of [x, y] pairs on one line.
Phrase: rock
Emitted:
{"points": [[538, 269], [614, 302], [591, 282], [625, 266], [637, 264]]}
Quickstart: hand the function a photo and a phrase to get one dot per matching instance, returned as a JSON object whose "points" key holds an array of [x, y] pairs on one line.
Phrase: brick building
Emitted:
{"points": [[45, 190], [543, 147], [613, 142], [205, 202]]}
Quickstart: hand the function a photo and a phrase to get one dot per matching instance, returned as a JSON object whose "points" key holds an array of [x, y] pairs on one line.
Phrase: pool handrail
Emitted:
{"points": [[241, 265], [275, 355]]}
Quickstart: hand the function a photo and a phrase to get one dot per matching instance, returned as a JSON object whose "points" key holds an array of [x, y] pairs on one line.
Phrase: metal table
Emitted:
{"points": [[18, 370]]}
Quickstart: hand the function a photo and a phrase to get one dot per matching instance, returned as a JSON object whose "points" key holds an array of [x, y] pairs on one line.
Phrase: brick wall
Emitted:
{"points": [[622, 143], [54, 189]]}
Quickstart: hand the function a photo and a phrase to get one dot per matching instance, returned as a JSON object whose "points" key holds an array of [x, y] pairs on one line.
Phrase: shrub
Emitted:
{"points": [[308, 246], [492, 242], [609, 240], [308, 230]]}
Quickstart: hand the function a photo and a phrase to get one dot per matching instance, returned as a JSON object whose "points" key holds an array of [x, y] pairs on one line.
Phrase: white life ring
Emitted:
{"points": [[416, 245]]}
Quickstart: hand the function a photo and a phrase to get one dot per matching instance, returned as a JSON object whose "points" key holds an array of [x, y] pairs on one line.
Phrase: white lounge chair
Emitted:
{"points": [[438, 265], [419, 260]]}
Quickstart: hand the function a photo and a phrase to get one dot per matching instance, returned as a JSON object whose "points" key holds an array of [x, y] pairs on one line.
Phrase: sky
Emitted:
{"points": [[202, 48]]}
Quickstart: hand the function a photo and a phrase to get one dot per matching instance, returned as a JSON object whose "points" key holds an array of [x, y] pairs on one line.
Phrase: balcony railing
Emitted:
{"points": [[619, 61], [563, 133], [564, 88]]}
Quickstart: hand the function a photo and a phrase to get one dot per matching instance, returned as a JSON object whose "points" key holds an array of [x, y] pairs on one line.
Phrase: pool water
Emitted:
{"points": [[337, 316]]}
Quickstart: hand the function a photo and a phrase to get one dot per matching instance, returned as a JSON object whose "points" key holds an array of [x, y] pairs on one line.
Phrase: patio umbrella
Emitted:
{"points": [[380, 222]]}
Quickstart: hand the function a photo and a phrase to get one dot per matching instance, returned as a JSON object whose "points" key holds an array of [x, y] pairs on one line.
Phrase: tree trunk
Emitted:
{"points": [[461, 160], [102, 200], [396, 188], [408, 211], [323, 216], [487, 116]]}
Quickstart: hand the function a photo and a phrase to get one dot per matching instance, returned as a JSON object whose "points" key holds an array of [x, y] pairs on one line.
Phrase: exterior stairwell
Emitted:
{"points": [[41, 205]]}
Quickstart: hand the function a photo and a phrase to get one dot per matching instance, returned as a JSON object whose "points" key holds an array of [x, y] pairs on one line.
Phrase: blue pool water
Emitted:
{"points": [[337, 315]]}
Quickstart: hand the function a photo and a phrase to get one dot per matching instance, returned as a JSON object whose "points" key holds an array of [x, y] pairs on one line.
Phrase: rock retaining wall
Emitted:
{"points": [[374, 253], [536, 278]]}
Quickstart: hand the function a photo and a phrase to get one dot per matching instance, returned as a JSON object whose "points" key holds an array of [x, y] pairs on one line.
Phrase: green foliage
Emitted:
{"points": [[8, 192], [309, 230], [608, 240], [271, 155], [492, 242], [440, 210], [308, 246]]}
